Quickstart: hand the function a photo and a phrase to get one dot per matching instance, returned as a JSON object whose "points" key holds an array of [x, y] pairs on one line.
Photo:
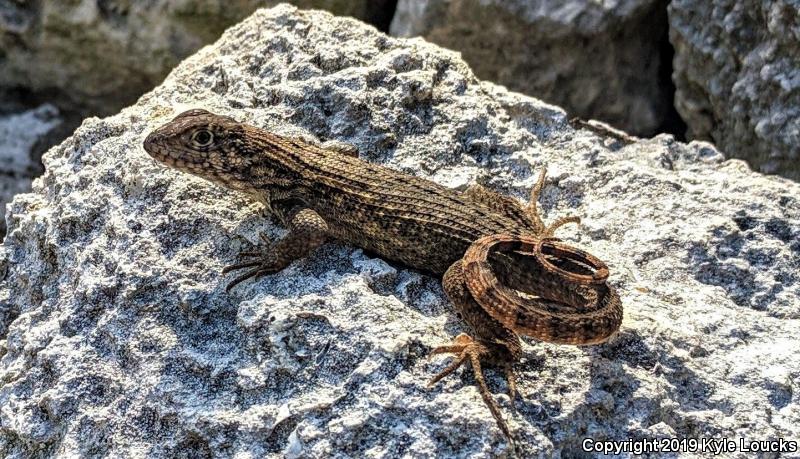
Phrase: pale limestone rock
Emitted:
{"points": [[118, 338]]}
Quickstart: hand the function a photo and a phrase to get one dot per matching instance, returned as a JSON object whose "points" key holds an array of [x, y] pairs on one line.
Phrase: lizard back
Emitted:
{"points": [[396, 215]]}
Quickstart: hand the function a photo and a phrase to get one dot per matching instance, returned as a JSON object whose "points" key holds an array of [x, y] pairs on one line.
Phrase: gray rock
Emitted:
{"points": [[118, 338], [97, 56], [19, 134], [598, 60], [737, 78]]}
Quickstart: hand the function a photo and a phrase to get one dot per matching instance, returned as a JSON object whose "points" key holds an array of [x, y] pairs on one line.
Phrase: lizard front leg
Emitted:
{"points": [[307, 231], [493, 343]]}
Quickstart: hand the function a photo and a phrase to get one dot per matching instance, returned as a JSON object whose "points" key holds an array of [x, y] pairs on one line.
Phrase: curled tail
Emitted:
{"points": [[564, 297]]}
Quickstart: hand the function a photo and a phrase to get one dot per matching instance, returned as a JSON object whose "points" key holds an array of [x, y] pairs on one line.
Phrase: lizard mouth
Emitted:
{"points": [[155, 145]]}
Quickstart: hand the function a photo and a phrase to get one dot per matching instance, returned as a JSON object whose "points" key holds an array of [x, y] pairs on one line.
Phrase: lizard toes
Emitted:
{"points": [[262, 266], [472, 352]]}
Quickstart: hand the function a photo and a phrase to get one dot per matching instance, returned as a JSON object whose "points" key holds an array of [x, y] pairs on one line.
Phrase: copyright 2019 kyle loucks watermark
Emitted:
{"points": [[689, 445]]}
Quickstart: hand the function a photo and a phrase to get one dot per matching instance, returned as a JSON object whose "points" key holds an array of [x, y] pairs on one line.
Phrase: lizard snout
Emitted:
{"points": [[155, 145], [151, 142]]}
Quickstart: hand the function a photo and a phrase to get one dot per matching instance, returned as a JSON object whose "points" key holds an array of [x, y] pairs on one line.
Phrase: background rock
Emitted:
{"points": [[97, 56], [737, 73], [598, 60], [118, 337], [20, 134]]}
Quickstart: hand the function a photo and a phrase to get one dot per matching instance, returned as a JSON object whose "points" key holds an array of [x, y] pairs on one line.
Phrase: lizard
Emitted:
{"points": [[501, 266]]}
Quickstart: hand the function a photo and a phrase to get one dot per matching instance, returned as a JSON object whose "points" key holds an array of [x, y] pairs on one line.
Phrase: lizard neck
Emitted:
{"points": [[273, 163]]}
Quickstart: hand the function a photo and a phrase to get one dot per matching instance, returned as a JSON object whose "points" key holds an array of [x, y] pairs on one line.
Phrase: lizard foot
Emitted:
{"points": [[307, 232], [261, 262], [469, 350], [532, 210]]}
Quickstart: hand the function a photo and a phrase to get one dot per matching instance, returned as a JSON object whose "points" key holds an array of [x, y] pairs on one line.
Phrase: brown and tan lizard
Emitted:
{"points": [[502, 268]]}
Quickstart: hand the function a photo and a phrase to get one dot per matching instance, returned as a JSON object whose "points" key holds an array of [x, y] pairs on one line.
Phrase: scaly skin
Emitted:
{"points": [[487, 246]]}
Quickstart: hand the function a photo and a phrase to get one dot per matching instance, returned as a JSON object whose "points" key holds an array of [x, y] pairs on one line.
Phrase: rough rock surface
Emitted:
{"points": [[737, 78], [119, 339], [19, 134], [598, 60], [97, 56]]}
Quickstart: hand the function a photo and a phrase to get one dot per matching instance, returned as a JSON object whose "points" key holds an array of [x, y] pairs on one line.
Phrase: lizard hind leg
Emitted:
{"points": [[493, 343], [551, 228], [526, 216], [532, 210]]}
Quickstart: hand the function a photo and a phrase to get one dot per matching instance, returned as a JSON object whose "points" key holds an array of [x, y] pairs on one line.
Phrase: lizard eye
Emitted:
{"points": [[202, 138]]}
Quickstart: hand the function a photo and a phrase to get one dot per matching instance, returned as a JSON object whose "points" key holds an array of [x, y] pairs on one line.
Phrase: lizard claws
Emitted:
{"points": [[468, 349], [259, 268], [261, 261]]}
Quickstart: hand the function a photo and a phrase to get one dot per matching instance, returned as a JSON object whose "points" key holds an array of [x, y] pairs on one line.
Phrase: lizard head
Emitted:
{"points": [[202, 143]]}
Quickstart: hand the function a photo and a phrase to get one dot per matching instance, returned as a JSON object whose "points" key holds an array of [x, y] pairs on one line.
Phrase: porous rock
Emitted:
{"points": [[598, 60], [737, 78], [118, 337]]}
